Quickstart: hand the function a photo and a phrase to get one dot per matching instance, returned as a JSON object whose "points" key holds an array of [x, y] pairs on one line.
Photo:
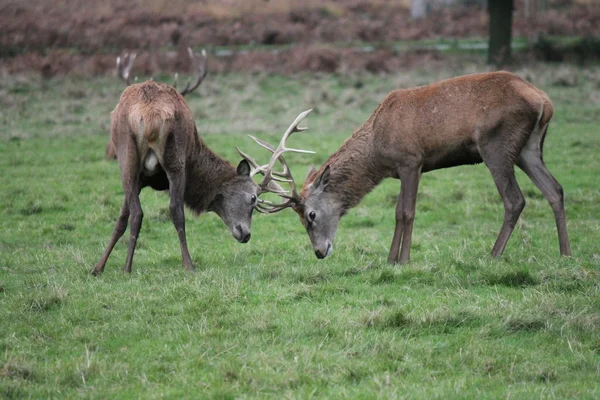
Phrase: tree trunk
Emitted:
{"points": [[418, 9], [500, 12]]}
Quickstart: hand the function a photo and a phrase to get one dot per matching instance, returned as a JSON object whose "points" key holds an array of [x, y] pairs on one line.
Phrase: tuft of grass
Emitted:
{"points": [[521, 278], [526, 325], [32, 208], [13, 371], [42, 304], [385, 276]]}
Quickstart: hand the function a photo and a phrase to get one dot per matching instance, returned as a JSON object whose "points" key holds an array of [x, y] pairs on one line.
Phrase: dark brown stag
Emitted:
{"points": [[156, 143]]}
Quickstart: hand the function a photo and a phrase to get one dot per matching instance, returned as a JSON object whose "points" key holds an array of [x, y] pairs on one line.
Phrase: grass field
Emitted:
{"points": [[267, 319]]}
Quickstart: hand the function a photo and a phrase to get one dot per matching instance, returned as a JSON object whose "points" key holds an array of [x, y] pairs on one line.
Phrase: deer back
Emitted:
{"points": [[443, 123]]}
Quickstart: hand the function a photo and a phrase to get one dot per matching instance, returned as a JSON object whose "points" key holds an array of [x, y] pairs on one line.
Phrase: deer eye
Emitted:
{"points": [[312, 215], [253, 199]]}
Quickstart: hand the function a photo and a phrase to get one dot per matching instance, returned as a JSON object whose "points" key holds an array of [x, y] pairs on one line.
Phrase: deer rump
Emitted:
{"points": [[151, 124], [151, 115]]}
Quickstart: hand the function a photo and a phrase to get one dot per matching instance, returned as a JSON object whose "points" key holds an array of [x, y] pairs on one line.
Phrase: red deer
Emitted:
{"points": [[156, 143], [496, 118]]}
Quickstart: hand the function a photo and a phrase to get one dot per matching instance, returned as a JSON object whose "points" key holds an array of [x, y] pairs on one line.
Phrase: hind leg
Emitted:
{"points": [[118, 231], [514, 202], [531, 162], [130, 171], [135, 221], [502, 169], [128, 162]]}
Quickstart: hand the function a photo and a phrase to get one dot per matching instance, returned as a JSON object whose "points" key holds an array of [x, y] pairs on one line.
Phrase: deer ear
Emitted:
{"points": [[323, 180], [311, 171], [243, 168]]}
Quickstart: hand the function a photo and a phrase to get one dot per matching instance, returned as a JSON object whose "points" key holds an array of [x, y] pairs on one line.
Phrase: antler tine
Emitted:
{"points": [[270, 208], [285, 175], [283, 149], [124, 66], [259, 169], [202, 71]]}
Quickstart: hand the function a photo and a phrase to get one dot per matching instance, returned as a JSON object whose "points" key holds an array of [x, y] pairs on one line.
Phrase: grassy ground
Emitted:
{"points": [[267, 319]]}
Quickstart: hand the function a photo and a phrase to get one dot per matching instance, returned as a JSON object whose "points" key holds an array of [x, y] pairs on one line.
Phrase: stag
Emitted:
{"points": [[496, 118], [156, 143]]}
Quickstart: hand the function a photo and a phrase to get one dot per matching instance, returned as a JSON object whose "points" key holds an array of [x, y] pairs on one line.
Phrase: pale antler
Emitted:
{"points": [[269, 182], [201, 72], [124, 66]]}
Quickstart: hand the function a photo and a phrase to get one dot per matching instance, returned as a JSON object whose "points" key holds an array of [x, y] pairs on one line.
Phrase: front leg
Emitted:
{"points": [[176, 193], [410, 178], [395, 248]]}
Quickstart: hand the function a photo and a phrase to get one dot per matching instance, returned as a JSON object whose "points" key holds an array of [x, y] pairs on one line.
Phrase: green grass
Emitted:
{"points": [[267, 319]]}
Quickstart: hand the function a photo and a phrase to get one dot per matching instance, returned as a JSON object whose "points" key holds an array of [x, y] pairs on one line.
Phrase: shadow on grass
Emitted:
{"points": [[389, 276], [528, 325], [521, 278], [17, 372], [443, 324]]}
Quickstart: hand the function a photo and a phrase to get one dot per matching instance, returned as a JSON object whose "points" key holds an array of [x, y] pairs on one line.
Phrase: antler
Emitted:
{"points": [[271, 178], [124, 66], [201, 71]]}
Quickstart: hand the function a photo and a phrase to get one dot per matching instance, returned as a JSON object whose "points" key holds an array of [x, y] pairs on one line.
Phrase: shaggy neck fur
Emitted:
{"points": [[206, 173], [353, 171]]}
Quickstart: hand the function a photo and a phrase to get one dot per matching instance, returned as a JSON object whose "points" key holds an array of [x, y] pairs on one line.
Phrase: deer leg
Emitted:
{"points": [[514, 202], [118, 231], [395, 248], [130, 173], [135, 221], [532, 164], [176, 192], [410, 185]]}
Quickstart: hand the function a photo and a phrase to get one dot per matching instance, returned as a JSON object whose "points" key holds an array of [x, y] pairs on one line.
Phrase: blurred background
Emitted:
{"points": [[79, 37]]}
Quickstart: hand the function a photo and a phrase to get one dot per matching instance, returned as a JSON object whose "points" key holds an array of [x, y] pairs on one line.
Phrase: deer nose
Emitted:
{"points": [[321, 255], [244, 236]]}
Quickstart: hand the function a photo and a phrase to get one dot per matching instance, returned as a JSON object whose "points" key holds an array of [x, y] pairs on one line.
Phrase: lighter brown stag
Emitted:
{"points": [[496, 118]]}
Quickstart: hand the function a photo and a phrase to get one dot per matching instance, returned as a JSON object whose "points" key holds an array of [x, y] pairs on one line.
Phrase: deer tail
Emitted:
{"points": [[150, 122]]}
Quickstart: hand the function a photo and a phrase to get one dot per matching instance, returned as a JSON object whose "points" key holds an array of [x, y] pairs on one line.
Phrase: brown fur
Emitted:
{"points": [[152, 119], [465, 120]]}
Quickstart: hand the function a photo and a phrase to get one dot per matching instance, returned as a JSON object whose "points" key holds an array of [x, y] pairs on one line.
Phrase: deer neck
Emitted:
{"points": [[354, 169], [206, 173]]}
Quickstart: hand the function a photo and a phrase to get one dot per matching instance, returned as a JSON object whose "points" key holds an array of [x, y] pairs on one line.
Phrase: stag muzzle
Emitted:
{"points": [[323, 251], [241, 233]]}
